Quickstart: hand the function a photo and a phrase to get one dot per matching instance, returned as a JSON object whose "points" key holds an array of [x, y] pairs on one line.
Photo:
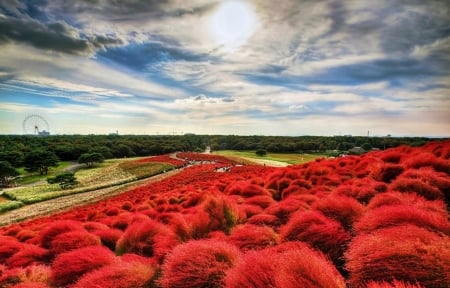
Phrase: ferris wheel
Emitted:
{"points": [[35, 125]]}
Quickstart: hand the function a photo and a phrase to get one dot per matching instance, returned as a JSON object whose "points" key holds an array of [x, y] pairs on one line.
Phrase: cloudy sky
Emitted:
{"points": [[287, 67]]}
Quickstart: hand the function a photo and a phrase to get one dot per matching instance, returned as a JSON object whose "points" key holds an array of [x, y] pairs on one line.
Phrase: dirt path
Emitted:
{"points": [[68, 202], [267, 162]]}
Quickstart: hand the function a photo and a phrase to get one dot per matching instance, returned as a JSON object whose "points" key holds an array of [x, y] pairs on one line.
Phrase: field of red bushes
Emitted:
{"points": [[377, 220]]}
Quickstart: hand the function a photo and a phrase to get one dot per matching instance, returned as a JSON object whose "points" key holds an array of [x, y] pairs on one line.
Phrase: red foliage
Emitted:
{"points": [[324, 203], [306, 268], [29, 255], [131, 274], [344, 209], [405, 253], [8, 247], [252, 237], [426, 159], [394, 284], [287, 265], [320, 232], [47, 234], [198, 263], [395, 215], [265, 220], [109, 237], [255, 269], [148, 238], [69, 267], [30, 285], [65, 242], [417, 186]]}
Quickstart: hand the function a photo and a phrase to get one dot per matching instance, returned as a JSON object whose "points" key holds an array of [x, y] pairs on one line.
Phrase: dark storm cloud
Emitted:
{"points": [[58, 36]]}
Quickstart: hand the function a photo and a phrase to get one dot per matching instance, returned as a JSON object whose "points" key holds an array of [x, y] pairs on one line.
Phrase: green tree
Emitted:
{"points": [[14, 157], [7, 172], [66, 180], [366, 146], [41, 161], [90, 158], [261, 152]]}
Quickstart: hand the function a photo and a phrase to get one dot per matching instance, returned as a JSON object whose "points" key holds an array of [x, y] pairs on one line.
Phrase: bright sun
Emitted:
{"points": [[232, 23]]}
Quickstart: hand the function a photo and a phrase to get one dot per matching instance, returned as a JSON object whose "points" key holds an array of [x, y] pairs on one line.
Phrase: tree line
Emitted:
{"points": [[39, 153]]}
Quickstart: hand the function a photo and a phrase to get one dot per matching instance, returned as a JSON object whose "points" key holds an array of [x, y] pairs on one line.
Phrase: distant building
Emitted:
{"points": [[357, 150], [43, 133]]}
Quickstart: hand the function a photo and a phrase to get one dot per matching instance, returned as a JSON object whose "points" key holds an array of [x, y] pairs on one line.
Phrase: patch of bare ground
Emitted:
{"points": [[68, 202]]}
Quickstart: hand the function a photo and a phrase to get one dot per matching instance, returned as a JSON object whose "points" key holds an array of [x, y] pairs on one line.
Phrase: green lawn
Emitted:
{"points": [[291, 158], [27, 178], [107, 174]]}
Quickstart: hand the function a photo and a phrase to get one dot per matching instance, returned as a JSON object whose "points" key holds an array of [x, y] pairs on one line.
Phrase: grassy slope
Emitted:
{"points": [[108, 174], [291, 158], [28, 178]]}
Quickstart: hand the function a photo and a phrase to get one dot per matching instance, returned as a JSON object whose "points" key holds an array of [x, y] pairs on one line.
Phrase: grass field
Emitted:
{"points": [[107, 174], [290, 158], [27, 178]]}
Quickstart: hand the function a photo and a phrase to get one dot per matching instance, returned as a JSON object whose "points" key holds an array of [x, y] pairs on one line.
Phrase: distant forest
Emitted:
{"points": [[14, 148]]}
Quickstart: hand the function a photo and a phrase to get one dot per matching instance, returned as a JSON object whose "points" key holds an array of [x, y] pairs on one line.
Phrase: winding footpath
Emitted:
{"points": [[72, 201]]}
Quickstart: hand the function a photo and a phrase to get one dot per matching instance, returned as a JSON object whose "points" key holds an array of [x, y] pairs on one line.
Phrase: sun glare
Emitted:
{"points": [[232, 23]]}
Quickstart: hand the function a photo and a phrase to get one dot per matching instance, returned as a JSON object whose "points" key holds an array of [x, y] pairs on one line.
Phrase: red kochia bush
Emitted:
{"points": [[8, 247], [344, 209], [320, 232], [47, 235], [123, 274], [109, 237], [147, 238], [28, 255], [405, 253], [65, 242], [70, 266], [255, 269], [394, 284], [198, 263], [418, 186], [34, 274], [387, 216], [252, 237], [306, 268], [291, 264]]}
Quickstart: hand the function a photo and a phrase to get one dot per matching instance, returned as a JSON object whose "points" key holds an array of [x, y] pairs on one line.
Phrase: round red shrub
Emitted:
{"points": [[29, 255], [417, 186], [404, 253], [265, 220], [148, 238], [252, 237], [47, 234], [412, 199], [65, 242], [8, 247], [69, 266], [255, 269], [109, 237], [344, 209], [198, 263], [260, 200], [323, 233], [306, 268], [25, 235], [124, 275], [387, 216]]}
